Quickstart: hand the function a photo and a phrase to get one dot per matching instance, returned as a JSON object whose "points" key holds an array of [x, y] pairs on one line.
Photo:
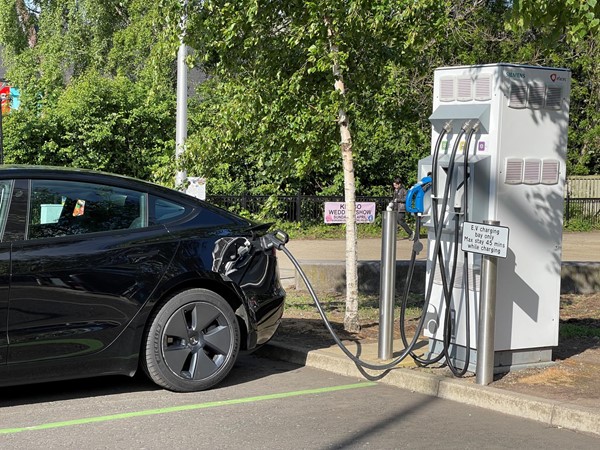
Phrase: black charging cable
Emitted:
{"points": [[278, 240]]}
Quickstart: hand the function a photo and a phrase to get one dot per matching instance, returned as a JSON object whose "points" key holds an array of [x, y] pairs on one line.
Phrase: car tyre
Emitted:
{"points": [[193, 341]]}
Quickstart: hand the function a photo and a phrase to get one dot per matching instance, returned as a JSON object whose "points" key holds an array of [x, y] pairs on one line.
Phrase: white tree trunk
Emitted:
{"points": [[351, 322]]}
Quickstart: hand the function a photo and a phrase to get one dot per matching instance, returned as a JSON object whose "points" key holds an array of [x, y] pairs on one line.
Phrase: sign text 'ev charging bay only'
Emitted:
{"points": [[485, 239]]}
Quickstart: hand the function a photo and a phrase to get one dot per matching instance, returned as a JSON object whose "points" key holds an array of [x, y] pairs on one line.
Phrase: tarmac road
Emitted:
{"points": [[262, 404]]}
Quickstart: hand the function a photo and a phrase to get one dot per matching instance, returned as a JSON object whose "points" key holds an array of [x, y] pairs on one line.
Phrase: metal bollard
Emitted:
{"points": [[487, 317], [387, 284]]}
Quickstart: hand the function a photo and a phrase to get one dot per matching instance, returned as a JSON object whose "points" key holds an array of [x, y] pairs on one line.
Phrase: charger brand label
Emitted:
{"points": [[335, 212], [485, 239], [516, 75]]}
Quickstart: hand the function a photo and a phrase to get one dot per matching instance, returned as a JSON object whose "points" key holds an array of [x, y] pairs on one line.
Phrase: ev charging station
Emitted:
{"points": [[499, 143], [498, 148]]}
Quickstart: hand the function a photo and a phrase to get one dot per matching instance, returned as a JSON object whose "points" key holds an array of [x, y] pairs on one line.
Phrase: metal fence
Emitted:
{"points": [[585, 210], [309, 208], [292, 208]]}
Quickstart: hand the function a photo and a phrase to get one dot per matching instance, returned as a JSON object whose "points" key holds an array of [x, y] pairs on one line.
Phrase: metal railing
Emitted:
{"points": [[309, 208], [291, 208], [586, 210]]}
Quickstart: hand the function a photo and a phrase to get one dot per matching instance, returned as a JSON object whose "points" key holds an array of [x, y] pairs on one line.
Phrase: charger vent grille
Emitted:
{"points": [[465, 89], [447, 89], [554, 97], [483, 88], [459, 281], [550, 171], [514, 171], [536, 96], [518, 95], [532, 171]]}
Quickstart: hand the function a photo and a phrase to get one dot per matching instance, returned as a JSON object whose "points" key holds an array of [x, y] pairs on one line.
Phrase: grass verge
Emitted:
{"points": [[570, 330], [334, 306], [300, 304]]}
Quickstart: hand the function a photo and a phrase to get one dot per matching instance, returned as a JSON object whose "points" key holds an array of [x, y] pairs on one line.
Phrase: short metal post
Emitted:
{"points": [[487, 317], [387, 284]]}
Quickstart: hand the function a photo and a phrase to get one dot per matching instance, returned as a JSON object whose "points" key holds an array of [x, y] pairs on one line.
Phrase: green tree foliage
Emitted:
{"points": [[96, 81], [265, 121], [269, 112], [573, 20], [97, 122], [566, 33]]}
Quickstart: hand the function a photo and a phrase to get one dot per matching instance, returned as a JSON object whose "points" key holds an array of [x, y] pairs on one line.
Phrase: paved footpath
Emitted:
{"points": [[576, 247]]}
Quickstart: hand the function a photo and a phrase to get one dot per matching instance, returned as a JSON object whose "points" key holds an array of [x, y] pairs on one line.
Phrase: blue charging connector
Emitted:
{"points": [[416, 195]]}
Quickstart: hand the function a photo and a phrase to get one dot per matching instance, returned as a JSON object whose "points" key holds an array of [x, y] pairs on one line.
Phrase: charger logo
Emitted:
{"points": [[518, 75], [556, 78]]}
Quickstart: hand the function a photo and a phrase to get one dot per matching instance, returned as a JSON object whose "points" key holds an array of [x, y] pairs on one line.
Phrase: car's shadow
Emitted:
{"points": [[73, 389], [248, 368]]}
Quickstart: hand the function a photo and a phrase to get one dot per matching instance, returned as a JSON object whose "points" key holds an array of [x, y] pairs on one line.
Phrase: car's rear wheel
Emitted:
{"points": [[192, 342]]}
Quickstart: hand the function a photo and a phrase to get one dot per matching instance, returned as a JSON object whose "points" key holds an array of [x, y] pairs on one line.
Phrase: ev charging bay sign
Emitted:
{"points": [[485, 239], [335, 212]]}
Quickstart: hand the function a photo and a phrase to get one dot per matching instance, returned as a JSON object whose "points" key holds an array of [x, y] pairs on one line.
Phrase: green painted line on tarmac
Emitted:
{"points": [[172, 409]]}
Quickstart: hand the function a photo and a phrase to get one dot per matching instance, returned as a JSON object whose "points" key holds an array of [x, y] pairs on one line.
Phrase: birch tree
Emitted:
{"points": [[351, 319]]}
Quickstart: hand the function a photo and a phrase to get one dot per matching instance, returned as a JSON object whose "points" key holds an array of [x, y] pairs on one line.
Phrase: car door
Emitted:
{"points": [[5, 197], [86, 266]]}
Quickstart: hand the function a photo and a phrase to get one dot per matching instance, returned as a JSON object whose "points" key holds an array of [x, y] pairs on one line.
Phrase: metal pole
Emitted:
{"points": [[487, 317], [181, 118], [387, 284]]}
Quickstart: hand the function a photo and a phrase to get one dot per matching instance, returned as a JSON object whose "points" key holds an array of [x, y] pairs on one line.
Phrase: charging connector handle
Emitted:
{"points": [[276, 239], [416, 195]]}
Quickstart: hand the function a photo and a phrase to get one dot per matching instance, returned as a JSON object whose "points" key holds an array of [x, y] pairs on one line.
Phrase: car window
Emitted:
{"points": [[63, 208], [166, 210], [5, 194], [208, 217]]}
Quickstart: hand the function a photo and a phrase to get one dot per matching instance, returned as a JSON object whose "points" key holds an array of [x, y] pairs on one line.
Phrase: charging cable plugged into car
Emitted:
{"points": [[277, 240]]}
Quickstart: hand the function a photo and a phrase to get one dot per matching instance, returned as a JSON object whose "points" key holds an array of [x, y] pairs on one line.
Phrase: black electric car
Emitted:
{"points": [[102, 274]]}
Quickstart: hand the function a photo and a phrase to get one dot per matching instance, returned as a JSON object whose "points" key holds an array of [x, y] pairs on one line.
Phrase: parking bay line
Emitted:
{"points": [[172, 409]]}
